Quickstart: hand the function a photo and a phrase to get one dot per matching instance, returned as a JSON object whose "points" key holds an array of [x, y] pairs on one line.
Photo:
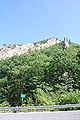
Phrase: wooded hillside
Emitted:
{"points": [[47, 77]]}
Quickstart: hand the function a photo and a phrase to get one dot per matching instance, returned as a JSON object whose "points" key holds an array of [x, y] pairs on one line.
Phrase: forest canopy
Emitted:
{"points": [[47, 77]]}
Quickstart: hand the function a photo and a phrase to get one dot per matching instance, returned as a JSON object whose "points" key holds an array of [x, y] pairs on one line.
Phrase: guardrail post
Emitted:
{"points": [[29, 110]]}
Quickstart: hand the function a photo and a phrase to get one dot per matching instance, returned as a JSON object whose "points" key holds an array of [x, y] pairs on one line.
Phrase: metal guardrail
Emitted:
{"points": [[29, 108]]}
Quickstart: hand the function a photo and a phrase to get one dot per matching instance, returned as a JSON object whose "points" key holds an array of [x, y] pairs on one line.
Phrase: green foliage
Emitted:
{"points": [[42, 98], [47, 77], [72, 97], [41, 42], [5, 104]]}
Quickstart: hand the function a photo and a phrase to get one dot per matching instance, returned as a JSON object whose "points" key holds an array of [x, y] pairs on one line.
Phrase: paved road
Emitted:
{"points": [[61, 115]]}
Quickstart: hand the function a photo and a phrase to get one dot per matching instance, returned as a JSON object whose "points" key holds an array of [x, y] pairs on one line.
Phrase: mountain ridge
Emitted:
{"points": [[13, 50]]}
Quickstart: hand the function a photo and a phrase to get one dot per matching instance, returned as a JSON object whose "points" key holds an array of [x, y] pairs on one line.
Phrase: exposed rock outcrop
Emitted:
{"points": [[66, 42], [13, 50]]}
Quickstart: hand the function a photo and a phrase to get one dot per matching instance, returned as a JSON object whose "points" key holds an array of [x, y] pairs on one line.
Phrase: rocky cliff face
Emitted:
{"points": [[66, 42], [13, 50]]}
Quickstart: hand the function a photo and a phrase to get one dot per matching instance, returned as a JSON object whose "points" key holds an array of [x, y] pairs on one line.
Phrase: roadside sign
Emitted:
{"points": [[23, 95]]}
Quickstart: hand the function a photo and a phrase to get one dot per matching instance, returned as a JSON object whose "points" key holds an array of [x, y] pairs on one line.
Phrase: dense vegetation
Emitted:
{"points": [[47, 77]]}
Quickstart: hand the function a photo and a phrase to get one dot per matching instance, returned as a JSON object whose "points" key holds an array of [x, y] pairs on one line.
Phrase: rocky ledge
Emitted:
{"points": [[13, 50]]}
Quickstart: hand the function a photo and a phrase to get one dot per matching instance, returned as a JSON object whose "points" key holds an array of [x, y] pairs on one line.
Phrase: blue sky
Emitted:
{"points": [[27, 21]]}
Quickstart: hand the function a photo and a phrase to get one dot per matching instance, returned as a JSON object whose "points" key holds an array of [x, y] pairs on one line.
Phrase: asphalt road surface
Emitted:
{"points": [[61, 115]]}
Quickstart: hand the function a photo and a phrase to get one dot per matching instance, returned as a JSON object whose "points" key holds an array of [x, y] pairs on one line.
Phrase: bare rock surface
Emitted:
{"points": [[13, 50]]}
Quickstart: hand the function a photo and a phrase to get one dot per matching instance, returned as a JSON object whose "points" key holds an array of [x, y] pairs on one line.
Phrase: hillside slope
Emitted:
{"points": [[47, 76]]}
